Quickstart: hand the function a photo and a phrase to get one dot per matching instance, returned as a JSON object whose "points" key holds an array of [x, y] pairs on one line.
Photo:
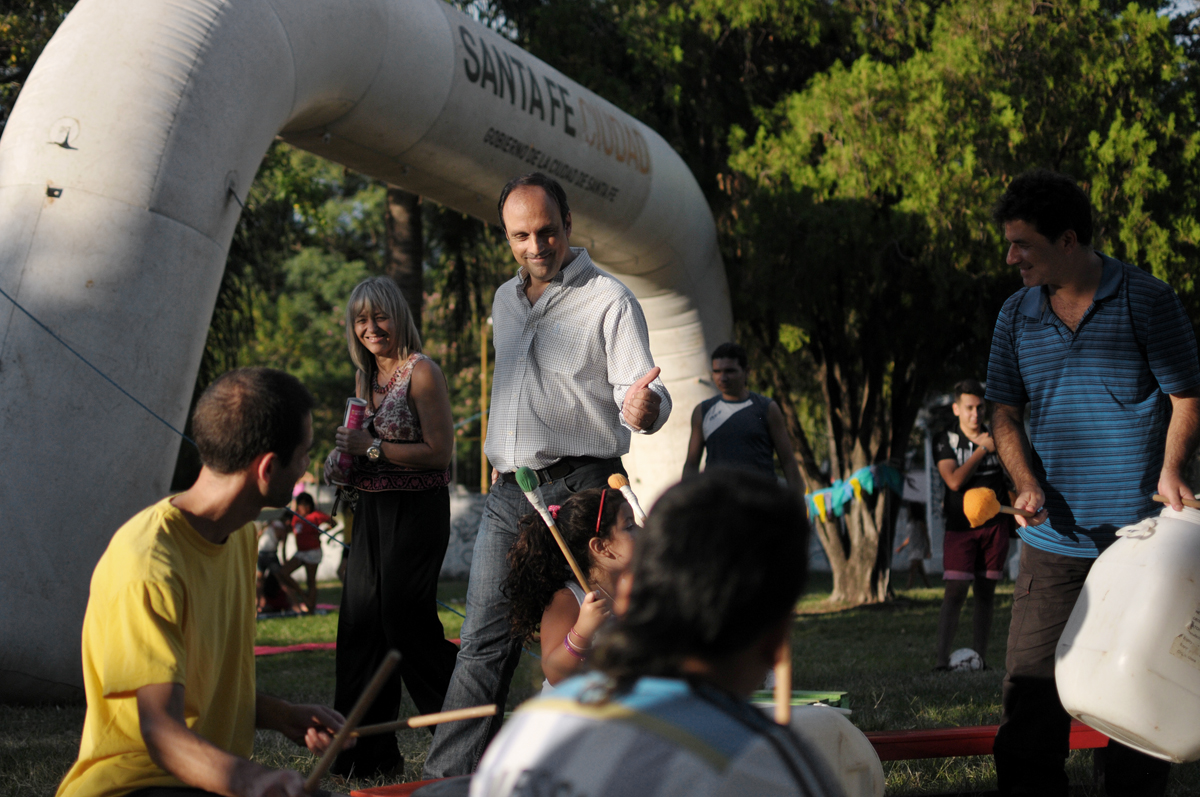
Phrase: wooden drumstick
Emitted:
{"points": [[1192, 502], [343, 735], [425, 720], [527, 480], [783, 681]]}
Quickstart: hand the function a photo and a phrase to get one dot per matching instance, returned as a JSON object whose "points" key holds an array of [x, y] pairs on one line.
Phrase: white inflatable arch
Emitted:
{"points": [[120, 171]]}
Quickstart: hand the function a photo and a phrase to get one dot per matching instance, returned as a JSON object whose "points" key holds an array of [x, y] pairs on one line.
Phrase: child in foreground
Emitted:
{"points": [[598, 527], [706, 605]]}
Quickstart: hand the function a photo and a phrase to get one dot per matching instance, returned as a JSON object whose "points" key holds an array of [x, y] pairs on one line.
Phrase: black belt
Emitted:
{"points": [[564, 467]]}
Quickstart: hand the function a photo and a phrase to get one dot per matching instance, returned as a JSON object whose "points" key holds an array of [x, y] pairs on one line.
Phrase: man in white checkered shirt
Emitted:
{"points": [[574, 378]]}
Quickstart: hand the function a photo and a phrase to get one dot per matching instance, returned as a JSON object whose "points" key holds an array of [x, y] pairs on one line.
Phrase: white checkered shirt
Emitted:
{"points": [[563, 367]]}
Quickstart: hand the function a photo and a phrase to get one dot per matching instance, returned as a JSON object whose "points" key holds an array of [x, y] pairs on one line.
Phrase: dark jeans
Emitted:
{"points": [[489, 654], [1034, 738], [390, 601]]}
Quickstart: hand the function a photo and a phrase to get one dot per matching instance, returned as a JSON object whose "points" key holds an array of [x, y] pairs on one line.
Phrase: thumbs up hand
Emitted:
{"points": [[641, 405]]}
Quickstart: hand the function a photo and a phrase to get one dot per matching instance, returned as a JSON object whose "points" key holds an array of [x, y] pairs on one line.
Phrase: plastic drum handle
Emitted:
{"points": [[1140, 531]]}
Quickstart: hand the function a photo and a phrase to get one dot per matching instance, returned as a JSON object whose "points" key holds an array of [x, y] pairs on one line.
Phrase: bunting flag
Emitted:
{"points": [[819, 503], [832, 500]]}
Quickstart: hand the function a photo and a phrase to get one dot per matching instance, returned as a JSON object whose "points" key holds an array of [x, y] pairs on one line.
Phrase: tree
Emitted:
{"points": [[860, 244], [405, 248], [467, 260], [310, 230]]}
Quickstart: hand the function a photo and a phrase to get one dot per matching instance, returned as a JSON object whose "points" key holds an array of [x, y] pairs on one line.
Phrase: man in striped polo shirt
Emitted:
{"points": [[1105, 357]]}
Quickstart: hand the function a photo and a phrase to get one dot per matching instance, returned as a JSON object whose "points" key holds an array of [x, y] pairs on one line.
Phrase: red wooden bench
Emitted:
{"points": [[950, 742], [398, 790]]}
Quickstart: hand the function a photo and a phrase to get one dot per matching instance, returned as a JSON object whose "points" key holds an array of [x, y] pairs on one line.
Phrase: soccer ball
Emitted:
{"points": [[965, 659]]}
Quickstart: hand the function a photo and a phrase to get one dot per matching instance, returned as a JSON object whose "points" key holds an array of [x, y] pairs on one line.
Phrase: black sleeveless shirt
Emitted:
{"points": [[736, 433]]}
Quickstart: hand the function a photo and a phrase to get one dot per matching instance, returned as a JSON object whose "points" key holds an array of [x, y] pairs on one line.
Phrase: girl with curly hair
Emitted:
{"points": [[547, 603]]}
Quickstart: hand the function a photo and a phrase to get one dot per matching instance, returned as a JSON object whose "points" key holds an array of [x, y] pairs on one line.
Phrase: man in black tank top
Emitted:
{"points": [[739, 429]]}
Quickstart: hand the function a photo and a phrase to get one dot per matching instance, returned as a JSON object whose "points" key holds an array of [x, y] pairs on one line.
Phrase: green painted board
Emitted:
{"points": [[804, 698]]}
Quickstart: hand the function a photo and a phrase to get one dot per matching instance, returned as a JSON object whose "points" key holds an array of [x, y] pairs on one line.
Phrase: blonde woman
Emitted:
{"points": [[401, 522]]}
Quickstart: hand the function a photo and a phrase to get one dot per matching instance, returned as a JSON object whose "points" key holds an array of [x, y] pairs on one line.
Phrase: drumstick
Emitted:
{"points": [[425, 720], [783, 681], [1192, 502], [528, 482], [618, 481], [356, 714]]}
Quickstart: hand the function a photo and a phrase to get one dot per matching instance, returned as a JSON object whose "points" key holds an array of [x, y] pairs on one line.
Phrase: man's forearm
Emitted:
{"points": [[1012, 444], [181, 752], [1183, 433], [959, 474], [269, 712]]}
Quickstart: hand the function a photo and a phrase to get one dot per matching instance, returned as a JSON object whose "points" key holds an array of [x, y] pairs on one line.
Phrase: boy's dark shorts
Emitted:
{"points": [[978, 553]]}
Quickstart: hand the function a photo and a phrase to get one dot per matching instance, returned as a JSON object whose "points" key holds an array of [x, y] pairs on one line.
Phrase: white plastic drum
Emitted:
{"points": [[1128, 662], [844, 747]]}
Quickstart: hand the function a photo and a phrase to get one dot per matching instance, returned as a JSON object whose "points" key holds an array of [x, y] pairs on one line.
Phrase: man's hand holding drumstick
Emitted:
{"points": [[641, 404], [197, 762], [312, 726]]}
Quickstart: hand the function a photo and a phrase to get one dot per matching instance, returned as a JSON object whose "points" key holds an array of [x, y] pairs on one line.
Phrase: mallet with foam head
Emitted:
{"points": [[528, 482], [617, 481], [981, 505]]}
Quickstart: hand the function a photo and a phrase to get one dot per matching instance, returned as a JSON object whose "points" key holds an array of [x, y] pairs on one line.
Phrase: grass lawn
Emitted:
{"points": [[882, 656]]}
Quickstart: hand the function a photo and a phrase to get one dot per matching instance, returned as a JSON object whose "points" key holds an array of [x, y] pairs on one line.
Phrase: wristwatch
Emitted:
{"points": [[375, 453]]}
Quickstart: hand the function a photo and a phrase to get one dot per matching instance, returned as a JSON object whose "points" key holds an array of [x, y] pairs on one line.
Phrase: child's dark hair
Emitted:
{"points": [[537, 568], [306, 499], [723, 556]]}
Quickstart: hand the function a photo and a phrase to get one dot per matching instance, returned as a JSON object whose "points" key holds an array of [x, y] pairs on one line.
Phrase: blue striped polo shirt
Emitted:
{"points": [[1098, 400]]}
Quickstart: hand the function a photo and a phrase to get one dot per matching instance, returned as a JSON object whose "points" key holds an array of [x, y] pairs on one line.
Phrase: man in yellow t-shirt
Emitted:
{"points": [[168, 638]]}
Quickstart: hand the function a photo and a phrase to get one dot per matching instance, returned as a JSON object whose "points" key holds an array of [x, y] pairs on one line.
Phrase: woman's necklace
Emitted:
{"points": [[385, 390]]}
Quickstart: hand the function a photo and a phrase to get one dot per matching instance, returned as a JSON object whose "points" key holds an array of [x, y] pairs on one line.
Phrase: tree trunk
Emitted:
{"points": [[858, 578], [405, 249]]}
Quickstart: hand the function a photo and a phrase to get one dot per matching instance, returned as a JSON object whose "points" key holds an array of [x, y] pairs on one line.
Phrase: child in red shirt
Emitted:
{"points": [[308, 544]]}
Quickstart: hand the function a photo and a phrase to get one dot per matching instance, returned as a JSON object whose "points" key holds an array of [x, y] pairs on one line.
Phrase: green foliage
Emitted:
{"points": [[302, 331], [860, 205], [310, 230], [888, 169], [690, 69], [466, 261]]}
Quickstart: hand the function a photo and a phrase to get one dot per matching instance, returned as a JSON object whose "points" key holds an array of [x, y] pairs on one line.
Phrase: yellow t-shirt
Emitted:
{"points": [[166, 606]]}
